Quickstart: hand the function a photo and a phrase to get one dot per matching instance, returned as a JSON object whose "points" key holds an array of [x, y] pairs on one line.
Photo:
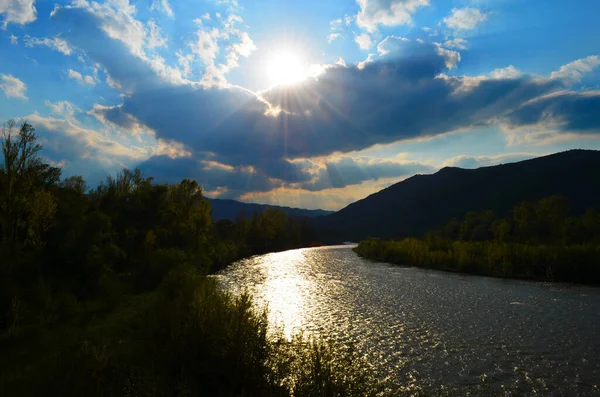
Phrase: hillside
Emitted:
{"points": [[229, 209], [423, 202]]}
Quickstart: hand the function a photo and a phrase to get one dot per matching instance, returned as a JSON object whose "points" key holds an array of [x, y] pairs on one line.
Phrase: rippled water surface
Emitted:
{"points": [[436, 332]]}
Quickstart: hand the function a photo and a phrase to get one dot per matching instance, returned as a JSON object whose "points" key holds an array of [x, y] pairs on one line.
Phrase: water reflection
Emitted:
{"points": [[286, 292], [471, 334]]}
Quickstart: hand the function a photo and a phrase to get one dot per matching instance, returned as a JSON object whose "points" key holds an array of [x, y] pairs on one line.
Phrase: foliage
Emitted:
{"points": [[105, 291], [539, 241]]}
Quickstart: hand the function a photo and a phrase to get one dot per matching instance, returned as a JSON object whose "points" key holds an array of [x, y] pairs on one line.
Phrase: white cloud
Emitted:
{"points": [[336, 24], [509, 72], [75, 75], [207, 47], [155, 39], [370, 58], [465, 18], [364, 41], [245, 47], [81, 79], [333, 36], [458, 43], [91, 143], [14, 39], [55, 43], [572, 72], [12, 86], [89, 80], [340, 62], [390, 44], [118, 21], [162, 5], [17, 11], [387, 12], [451, 58], [64, 108], [471, 162]]}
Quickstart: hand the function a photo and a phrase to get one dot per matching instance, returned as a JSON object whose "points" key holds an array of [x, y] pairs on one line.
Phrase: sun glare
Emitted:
{"points": [[285, 68]]}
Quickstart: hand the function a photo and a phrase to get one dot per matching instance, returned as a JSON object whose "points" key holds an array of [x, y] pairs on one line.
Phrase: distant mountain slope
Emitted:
{"points": [[229, 209], [423, 202]]}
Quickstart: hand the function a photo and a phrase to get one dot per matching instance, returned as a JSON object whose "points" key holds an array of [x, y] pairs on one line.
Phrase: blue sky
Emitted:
{"points": [[311, 104]]}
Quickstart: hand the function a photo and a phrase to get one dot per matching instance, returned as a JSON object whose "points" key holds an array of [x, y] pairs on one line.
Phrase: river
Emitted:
{"points": [[436, 332]]}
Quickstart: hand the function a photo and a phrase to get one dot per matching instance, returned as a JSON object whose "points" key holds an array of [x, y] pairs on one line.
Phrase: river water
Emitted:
{"points": [[434, 332]]}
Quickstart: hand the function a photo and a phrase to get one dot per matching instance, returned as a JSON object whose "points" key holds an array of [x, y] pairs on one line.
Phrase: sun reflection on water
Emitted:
{"points": [[286, 292]]}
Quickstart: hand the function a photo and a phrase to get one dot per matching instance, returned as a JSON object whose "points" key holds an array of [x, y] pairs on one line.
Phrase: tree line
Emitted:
{"points": [[537, 240], [103, 290]]}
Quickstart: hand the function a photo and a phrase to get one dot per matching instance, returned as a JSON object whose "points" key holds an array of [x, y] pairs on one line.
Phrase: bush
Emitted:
{"points": [[573, 263]]}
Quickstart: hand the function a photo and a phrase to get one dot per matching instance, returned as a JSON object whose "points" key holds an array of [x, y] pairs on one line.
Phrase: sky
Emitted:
{"points": [[311, 104]]}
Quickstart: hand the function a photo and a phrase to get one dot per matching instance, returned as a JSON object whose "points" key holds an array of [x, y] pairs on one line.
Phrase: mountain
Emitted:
{"points": [[229, 209], [424, 202]]}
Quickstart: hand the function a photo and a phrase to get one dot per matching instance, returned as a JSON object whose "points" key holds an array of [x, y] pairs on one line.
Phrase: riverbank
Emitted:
{"points": [[185, 338], [572, 263]]}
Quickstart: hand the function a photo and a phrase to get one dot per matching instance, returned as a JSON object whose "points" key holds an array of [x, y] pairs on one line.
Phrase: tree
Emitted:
{"points": [[22, 175]]}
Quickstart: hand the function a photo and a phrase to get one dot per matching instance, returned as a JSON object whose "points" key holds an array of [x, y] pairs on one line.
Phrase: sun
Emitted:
{"points": [[285, 68]]}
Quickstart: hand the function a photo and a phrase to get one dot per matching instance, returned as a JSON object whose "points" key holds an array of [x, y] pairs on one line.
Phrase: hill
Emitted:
{"points": [[229, 209], [424, 202]]}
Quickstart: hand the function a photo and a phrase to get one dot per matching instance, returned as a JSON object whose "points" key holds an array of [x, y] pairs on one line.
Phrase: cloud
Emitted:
{"points": [[387, 12], [348, 171], [471, 162], [55, 43], [267, 138], [208, 45], [451, 58], [155, 39], [84, 151], [114, 116], [465, 18], [335, 25], [564, 111], [509, 72], [364, 41], [162, 5], [391, 44], [457, 43], [64, 108], [360, 65], [81, 79], [12, 86], [231, 182], [333, 36], [17, 11], [344, 109], [572, 72], [14, 39]]}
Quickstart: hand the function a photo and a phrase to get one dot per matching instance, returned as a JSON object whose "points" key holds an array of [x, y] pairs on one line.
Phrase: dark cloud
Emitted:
{"points": [[233, 181], [403, 96], [574, 112]]}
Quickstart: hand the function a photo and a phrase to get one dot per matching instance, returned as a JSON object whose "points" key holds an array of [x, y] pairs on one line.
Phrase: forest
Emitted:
{"points": [[106, 291], [537, 240]]}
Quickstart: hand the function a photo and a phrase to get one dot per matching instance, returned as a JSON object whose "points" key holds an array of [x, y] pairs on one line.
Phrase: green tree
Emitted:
{"points": [[22, 174]]}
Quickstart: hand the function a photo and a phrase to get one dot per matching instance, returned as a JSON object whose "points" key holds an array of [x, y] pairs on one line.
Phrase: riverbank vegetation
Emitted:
{"points": [[538, 240], [104, 292]]}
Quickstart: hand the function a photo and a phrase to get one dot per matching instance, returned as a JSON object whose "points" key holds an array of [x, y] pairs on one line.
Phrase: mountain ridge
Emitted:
{"points": [[423, 202], [230, 209]]}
